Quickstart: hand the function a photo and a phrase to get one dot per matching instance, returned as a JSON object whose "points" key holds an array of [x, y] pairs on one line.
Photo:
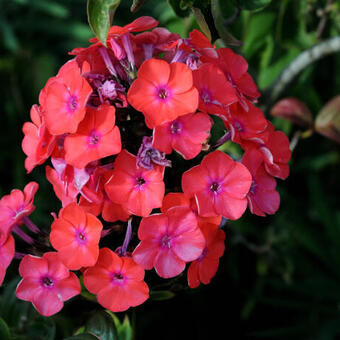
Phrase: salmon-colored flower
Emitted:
{"points": [[64, 100], [76, 234], [97, 137], [38, 143], [169, 241], [16, 205], [184, 134], [163, 92], [46, 282], [219, 185], [138, 190], [117, 281]]}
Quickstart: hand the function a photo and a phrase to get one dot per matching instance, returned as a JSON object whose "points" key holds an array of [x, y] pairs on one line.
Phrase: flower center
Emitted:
{"points": [[118, 278], [238, 126], [72, 104], [206, 96], [140, 181], [93, 138], [81, 236], [163, 93], [47, 282], [166, 241], [175, 128], [215, 187]]}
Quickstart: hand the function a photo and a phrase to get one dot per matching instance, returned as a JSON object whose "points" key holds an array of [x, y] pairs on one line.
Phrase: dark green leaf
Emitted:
{"points": [[160, 295], [84, 336], [4, 331], [102, 325], [252, 5], [136, 5], [179, 9], [100, 14]]}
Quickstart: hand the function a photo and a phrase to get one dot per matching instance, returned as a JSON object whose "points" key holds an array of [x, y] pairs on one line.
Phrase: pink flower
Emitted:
{"points": [[7, 249], [16, 205], [262, 197], [219, 185], [117, 281], [185, 134], [46, 282], [168, 241]]}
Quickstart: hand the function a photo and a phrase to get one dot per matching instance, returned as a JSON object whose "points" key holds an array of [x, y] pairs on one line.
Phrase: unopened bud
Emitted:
{"points": [[294, 110], [328, 120]]}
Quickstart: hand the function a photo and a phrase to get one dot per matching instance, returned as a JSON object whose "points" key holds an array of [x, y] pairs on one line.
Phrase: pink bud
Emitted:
{"points": [[294, 110], [328, 120]]}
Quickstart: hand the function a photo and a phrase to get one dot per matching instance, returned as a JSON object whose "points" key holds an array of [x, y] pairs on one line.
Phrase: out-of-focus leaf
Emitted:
{"points": [[100, 14], [84, 336], [268, 75], [179, 9], [328, 120], [260, 25], [201, 22], [41, 329], [102, 326], [9, 39], [136, 5], [124, 329], [4, 330], [294, 110], [219, 21], [159, 295], [252, 5]]}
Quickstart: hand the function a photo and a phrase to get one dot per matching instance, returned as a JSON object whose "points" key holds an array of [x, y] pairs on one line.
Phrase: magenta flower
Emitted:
{"points": [[46, 282]]}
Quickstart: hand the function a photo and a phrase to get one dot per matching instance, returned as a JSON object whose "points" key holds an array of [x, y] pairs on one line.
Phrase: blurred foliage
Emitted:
{"points": [[279, 277]]}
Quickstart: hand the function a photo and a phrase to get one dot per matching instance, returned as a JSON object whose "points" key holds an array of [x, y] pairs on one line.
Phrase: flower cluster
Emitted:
{"points": [[108, 121]]}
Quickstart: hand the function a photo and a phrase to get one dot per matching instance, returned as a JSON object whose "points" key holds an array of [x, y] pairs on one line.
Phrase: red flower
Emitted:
{"points": [[235, 68], [46, 282], [168, 241], [76, 234], [185, 135], [215, 91], [163, 91], [175, 199], [97, 137], [138, 190], [37, 144], [64, 99], [262, 197], [245, 125], [219, 185], [7, 249], [205, 267], [117, 281], [276, 153], [16, 205]]}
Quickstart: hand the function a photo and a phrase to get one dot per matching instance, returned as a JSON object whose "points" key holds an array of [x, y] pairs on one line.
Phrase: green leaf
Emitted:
{"points": [[84, 336], [100, 14], [253, 5], [178, 7], [102, 326], [4, 330], [159, 295], [136, 5]]}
